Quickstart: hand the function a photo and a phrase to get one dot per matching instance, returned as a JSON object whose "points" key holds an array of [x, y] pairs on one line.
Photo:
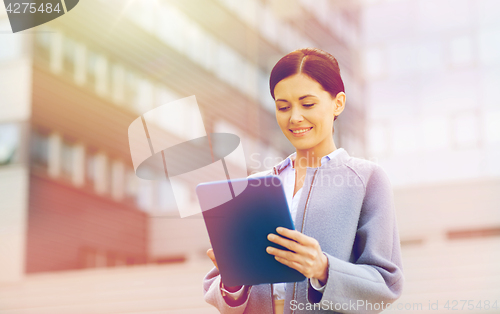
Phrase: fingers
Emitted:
{"points": [[289, 244], [297, 236], [287, 255], [211, 255]]}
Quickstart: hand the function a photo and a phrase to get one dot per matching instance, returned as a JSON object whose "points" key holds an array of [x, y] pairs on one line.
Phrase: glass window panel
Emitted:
{"points": [[102, 75], [166, 199], [145, 194], [39, 149], [144, 100], [131, 90], [92, 58], [118, 83], [10, 45], [9, 143], [90, 168], [67, 159], [69, 55], [42, 42]]}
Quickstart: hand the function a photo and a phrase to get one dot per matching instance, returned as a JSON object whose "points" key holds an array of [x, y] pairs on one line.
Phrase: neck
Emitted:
{"points": [[312, 157]]}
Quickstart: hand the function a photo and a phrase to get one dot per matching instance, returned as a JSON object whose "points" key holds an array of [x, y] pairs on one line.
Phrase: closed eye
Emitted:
{"points": [[282, 108], [308, 105]]}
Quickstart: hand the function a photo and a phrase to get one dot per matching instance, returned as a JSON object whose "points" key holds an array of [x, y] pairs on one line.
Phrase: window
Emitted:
{"points": [[54, 155], [195, 42], [9, 143], [69, 55], [98, 172], [145, 193], [250, 79], [166, 199], [90, 168], [67, 159], [92, 68], [144, 99], [131, 92], [42, 42], [56, 51], [73, 162], [101, 75], [131, 184], [80, 59], [117, 180], [39, 149], [118, 83], [11, 45], [102, 173]]}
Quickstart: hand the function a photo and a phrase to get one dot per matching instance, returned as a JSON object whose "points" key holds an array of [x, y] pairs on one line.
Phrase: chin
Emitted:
{"points": [[302, 146]]}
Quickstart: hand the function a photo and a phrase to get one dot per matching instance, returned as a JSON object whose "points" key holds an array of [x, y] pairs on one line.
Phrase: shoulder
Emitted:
{"points": [[368, 171]]}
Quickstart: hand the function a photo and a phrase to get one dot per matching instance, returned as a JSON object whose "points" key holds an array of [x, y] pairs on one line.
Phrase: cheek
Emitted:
{"points": [[282, 121]]}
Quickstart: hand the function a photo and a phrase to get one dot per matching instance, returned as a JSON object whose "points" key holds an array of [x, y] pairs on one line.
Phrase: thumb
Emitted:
{"points": [[211, 255]]}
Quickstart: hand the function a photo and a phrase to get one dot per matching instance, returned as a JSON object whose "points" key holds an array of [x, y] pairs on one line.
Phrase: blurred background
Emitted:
{"points": [[80, 233]]}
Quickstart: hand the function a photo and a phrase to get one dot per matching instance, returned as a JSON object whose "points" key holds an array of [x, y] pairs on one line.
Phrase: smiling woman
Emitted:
{"points": [[346, 243]]}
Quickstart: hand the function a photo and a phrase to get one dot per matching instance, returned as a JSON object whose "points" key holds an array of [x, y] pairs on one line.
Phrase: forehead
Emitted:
{"points": [[296, 86]]}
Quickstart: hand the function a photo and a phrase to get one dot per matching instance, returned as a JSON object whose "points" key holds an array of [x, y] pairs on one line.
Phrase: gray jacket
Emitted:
{"points": [[347, 205]]}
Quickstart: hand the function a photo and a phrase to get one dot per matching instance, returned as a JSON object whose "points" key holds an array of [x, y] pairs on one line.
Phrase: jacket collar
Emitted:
{"points": [[336, 158]]}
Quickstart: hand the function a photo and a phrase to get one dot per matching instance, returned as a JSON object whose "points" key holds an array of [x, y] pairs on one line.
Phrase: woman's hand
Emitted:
{"points": [[211, 255], [305, 255]]}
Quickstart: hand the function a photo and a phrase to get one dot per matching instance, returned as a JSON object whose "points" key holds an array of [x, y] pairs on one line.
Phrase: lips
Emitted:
{"points": [[300, 131]]}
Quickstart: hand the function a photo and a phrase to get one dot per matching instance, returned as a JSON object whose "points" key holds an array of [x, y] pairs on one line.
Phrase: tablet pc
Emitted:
{"points": [[238, 230]]}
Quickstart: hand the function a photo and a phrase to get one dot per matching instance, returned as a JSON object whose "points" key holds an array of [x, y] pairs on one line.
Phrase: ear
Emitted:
{"points": [[339, 103]]}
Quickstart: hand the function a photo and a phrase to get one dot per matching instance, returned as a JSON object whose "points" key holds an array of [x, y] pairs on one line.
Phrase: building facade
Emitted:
{"points": [[71, 87]]}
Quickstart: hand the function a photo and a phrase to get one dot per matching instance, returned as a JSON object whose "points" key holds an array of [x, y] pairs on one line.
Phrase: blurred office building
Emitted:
{"points": [[71, 87], [421, 80]]}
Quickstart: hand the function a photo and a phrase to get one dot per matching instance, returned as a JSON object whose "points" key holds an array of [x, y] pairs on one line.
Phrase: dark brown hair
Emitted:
{"points": [[315, 63]]}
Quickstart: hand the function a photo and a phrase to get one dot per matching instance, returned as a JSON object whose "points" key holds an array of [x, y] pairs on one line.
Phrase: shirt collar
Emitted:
{"points": [[288, 161]]}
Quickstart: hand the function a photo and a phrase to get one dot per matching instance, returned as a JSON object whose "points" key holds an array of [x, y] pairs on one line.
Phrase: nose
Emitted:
{"points": [[296, 115]]}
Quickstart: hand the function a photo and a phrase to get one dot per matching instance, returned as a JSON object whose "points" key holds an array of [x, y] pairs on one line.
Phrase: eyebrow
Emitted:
{"points": [[300, 98]]}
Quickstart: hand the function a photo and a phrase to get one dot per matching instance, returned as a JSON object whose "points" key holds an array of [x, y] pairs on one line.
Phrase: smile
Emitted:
{"points": [[300, 132]]}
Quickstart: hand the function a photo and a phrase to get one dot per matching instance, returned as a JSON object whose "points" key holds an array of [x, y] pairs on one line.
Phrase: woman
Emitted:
{"points": [[346, 241]]}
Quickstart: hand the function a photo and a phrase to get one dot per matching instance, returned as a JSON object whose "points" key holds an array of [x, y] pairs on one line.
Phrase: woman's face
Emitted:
{"points": [[305, 112]]}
